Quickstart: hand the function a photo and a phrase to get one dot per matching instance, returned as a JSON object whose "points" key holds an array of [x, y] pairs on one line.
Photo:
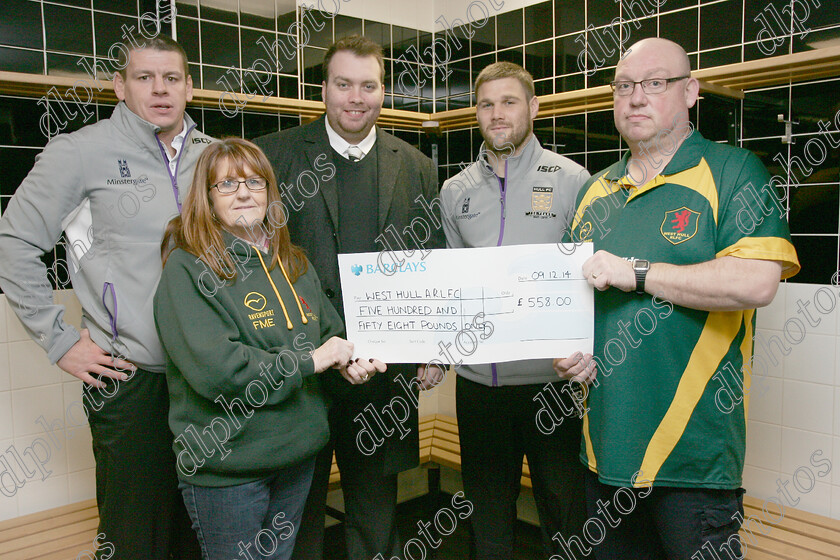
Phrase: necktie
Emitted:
{"points": [[354, 153]]}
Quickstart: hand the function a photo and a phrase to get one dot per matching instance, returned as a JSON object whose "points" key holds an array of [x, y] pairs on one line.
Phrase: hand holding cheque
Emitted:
{"points": [[479, 305]]}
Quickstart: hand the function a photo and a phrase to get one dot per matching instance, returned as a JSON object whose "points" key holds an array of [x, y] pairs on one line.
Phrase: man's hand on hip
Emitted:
{"points": [[85, 358]]}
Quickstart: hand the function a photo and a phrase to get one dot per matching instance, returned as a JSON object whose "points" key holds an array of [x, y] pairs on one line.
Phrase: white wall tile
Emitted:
{"points": [[835, 463], [760, 483], [50, 450], [3, 329], [837, 409], [812, 359], [14, 328], [799, 302], [808, 406], [29, 404], [817, 500], [30, 367], [824, 297], [5, 373], [769, 347], [79, 450], [764, 445], [81, 485], [73, 413], [8, 507], [766, 399], [835, 502], [72, 307], [8, 497], [6, 426], [773, 316], [10, 465], [837, 364], [37, 496], [836, 291], [798, 445]]}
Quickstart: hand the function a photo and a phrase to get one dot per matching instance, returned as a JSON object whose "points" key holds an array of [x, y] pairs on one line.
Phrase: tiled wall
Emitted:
{"points": [[40, 420], [795, 408]]}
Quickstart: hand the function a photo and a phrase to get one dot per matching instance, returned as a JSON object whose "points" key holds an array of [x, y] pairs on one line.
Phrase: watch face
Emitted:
{"points": [[640, 264]]}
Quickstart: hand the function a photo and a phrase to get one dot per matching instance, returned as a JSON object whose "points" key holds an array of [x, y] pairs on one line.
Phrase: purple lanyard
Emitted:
{"points": [[174, 178]]}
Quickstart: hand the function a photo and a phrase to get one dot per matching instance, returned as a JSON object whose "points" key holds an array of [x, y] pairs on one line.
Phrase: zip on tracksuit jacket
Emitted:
{"points": [[244, 400], [119, 167], [533, 203]]}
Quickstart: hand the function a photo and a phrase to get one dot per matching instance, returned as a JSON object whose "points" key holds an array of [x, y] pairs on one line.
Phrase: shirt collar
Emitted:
{"points": [[340, 145], [178, 141], [688, 155]]}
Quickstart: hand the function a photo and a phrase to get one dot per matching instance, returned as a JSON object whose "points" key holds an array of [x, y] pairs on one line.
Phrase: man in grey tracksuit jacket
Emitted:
{"points": [[533, 203], [515, 193], [113, 186]]}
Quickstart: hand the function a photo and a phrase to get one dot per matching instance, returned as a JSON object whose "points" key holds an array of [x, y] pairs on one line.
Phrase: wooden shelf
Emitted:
{"points": [[728, 81]]}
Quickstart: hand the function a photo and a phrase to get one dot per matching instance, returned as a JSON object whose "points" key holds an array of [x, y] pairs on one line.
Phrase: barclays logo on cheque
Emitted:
{"points": [[388, 269]]}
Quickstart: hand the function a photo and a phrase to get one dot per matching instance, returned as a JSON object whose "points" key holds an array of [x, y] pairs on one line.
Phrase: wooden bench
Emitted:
{"points": [[798, 535], [65, 533], [56, 534]]}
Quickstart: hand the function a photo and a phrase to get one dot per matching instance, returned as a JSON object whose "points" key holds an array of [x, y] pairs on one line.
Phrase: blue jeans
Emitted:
{"points": [[256, 520]]}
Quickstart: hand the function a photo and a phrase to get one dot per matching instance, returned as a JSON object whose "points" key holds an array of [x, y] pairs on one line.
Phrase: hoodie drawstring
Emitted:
{"points": [[276, 293]]}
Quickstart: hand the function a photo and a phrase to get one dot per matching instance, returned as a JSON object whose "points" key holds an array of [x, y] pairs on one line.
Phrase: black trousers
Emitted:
{"points": [[661, 523], [370, 506], [497, 427], [141, 512]]}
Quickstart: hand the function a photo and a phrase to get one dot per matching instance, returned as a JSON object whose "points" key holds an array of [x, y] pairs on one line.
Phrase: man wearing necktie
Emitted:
{"points": [[370, 186], [354, 153]]}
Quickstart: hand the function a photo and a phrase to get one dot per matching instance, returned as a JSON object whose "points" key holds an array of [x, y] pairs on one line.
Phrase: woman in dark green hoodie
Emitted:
{"points": [[245, 326]]}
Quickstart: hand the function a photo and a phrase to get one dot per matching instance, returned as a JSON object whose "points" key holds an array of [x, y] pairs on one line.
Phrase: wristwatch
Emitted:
{"points": [[640, 268]]}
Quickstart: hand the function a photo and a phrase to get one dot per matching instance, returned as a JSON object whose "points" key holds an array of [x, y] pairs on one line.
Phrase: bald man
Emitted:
{"points": [[687, 248]]}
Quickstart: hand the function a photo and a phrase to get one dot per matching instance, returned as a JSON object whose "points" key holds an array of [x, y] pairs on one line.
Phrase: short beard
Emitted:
{"points": [[507, 148]]}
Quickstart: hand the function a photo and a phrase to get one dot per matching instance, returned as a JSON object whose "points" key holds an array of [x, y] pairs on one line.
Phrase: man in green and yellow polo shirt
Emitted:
{"points": [[689, 241]]}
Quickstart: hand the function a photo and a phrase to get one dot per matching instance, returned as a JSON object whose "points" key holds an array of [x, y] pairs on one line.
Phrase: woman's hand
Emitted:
{"points": [[361, 370], [334, 353]]}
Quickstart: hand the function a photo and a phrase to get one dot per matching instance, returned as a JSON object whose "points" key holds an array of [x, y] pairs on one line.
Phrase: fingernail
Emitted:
{"points": [[357, 359], [371, 360]]}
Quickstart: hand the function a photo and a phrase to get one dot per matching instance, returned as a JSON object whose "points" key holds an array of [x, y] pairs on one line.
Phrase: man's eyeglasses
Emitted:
{"points": [[624, 88], [230, 186]]}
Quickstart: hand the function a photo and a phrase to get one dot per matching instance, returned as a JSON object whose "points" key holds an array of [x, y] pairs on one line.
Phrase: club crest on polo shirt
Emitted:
{"points": [[679, 225], [541, 199]]}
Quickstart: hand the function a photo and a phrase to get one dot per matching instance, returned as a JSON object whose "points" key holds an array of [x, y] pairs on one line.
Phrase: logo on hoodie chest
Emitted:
{"points": [[465, 211], [541, 200], [262, 317]]}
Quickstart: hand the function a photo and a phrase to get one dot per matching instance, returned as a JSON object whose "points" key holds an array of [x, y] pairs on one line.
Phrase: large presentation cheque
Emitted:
{"points": [[492, 304]]}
